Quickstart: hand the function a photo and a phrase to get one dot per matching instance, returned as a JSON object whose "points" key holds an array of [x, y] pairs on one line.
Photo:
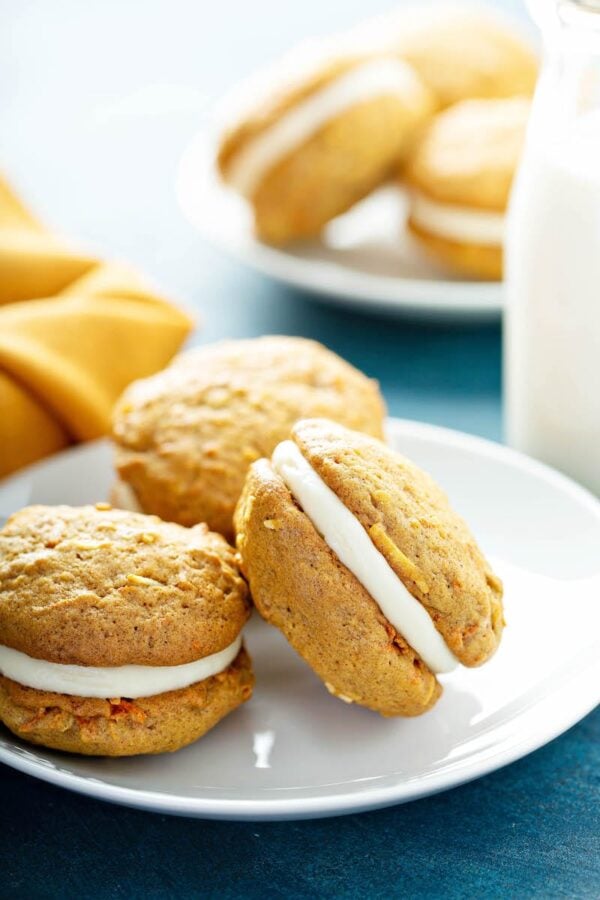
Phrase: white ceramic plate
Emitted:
{"points": [[294, 751], [365, 258]]}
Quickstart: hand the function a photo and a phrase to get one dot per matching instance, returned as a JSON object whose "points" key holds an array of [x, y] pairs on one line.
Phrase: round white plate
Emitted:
{"points": [[365, 258], [294, 751]]}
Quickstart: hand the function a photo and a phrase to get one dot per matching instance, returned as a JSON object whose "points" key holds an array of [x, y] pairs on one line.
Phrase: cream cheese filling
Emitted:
{"points": [[344, 534], [463, 224], [380, 77], [108, 682]]}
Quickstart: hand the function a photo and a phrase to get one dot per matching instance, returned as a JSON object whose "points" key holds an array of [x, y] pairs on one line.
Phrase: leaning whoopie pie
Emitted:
{"points": [[184, 438], [318, 135], [356, 555], [119, 634]]}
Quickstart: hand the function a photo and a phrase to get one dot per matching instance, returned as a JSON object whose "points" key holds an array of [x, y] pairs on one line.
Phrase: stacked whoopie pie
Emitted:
{"points": [[121, 632], [393, 99], [459, 180]]}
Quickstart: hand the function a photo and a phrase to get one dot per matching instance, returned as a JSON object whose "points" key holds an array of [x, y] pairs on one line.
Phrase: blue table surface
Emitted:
{"points": [[97, 101]]}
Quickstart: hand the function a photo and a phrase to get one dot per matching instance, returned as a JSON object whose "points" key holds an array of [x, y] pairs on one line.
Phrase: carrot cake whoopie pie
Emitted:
{"points": [[185, 437], [459, 178], [119, 634], [319, 135], [356, 555]]}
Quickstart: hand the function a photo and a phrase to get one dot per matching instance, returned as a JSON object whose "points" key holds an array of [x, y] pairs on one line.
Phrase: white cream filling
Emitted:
{"points": [[457, 223], [123, 496], [109, 682], [380, 77], [344, 534]]}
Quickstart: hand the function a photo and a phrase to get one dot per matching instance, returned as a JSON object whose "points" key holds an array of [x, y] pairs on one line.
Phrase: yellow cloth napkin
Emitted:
{"points": [[74, 331]]}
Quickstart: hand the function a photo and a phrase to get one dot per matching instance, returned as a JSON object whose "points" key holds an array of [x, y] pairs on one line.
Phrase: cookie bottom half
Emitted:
{"points": [[121, 727], [476, 260]]}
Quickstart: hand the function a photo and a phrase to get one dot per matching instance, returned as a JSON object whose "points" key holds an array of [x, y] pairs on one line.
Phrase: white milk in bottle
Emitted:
{"points": [[552, 254]]}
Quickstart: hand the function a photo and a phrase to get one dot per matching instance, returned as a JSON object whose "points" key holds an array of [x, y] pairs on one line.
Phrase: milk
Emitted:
{"points": [[552, 328]]}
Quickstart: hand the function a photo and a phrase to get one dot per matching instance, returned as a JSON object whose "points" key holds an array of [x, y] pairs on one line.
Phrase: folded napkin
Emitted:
{"points": [[74, 331]]}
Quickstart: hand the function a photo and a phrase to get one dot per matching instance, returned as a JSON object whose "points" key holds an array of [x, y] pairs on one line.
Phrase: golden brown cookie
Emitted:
{"points": [[461, 53], [186, 437], [319, 137], [460, 175], [119, 633], [334, 592]]}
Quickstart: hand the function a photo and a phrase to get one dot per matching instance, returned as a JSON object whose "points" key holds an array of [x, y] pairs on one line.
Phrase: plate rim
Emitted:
{"points": [[315, 806], [335, 283]]}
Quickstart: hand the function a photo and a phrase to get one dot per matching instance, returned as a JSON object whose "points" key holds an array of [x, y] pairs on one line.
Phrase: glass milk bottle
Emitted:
{"points": [[552, 253]]}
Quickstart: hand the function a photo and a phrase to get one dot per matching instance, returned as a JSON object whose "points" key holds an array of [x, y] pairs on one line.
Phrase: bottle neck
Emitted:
{"points": [[569, 83], [568, 22], [579, 13]]}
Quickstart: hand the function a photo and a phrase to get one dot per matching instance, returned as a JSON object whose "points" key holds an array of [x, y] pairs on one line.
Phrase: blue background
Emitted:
{"points": [[97, 101]]}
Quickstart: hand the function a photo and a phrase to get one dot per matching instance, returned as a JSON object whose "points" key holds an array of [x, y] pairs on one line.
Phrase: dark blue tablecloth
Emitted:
{"points": [[98, 100], [530, 830]]}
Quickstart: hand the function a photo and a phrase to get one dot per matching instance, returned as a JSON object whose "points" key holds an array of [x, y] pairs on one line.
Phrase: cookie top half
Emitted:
{"points": [[269, 97], [469, 153], [462, 53], [186, 437], [95, 586]]}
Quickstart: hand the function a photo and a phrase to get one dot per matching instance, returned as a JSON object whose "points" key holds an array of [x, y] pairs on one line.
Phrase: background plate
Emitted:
{"points": [[365, 257], [294, 751]]}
